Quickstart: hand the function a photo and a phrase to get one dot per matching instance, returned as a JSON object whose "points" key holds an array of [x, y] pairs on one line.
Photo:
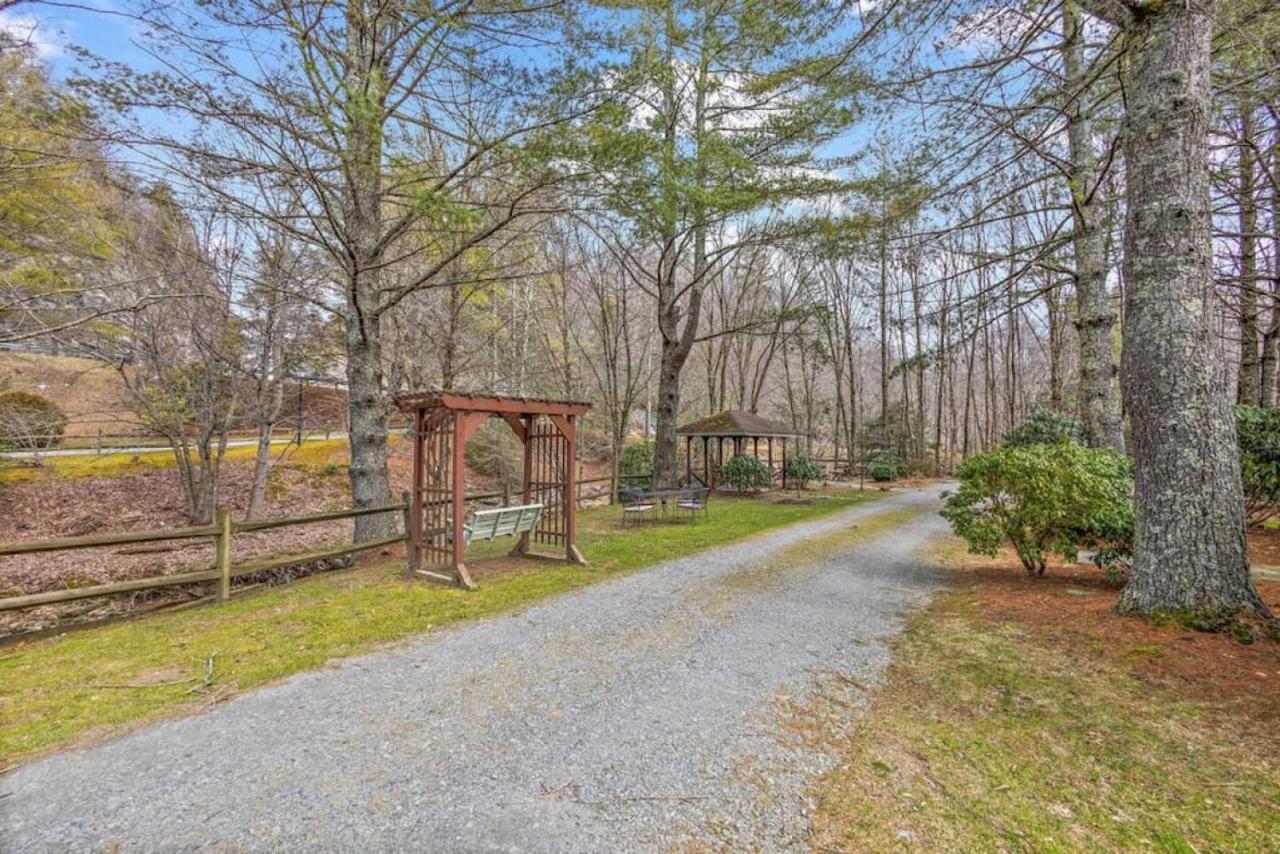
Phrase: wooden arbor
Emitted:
{"points": [[442, 422], [739, 427]]}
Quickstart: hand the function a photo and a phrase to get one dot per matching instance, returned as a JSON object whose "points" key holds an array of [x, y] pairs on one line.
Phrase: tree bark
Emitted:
{"points": [[366, 397], [675, 342], [1053, 317], [261, 471], [1189, 543], [883, 318], [1095, 315], [667, 412], [1248, 390], [1271, 336], [367, 412]]}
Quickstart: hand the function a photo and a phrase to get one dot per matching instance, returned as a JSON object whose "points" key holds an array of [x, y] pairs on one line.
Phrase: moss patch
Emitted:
{"points": [[312, 455]]}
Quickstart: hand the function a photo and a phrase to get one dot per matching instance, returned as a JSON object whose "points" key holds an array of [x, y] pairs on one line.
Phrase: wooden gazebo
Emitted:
{"points": [[442, 422], [739, 427]]}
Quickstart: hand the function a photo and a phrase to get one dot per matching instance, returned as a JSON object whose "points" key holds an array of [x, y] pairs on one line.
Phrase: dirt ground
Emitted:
{"points": [[313, 480], [1264, 547], [1072, 605], [67, 507]]}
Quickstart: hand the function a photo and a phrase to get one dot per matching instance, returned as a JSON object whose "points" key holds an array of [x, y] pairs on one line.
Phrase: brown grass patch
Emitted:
{"points": [[1019, 714]]}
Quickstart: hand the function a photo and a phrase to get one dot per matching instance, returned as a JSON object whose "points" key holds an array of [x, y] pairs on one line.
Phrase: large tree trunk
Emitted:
{"points": [[366, 398], [883, 297], [943, 357], [1248, 389], [677, 342], [672, 355], [666, 469], [1189, 546], [1095, 315], [367, 411]]}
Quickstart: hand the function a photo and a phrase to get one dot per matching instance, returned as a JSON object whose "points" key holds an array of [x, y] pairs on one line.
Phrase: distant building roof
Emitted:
{"points": [[736, 422]]}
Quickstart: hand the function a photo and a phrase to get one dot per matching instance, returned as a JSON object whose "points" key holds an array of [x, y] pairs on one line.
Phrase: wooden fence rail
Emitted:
{"points": [[222, 531]]}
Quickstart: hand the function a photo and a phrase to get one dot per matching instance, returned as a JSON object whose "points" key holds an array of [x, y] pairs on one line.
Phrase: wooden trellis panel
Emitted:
{"points": [[432, 501], [549, 447], [442, 424]]}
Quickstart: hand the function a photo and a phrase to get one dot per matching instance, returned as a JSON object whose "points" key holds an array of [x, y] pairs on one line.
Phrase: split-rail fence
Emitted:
{"points": [[222, 531]]}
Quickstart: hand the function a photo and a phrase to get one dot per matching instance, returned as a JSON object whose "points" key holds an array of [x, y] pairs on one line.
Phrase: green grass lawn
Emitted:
{"points": [[992, 737], [56, 691]]}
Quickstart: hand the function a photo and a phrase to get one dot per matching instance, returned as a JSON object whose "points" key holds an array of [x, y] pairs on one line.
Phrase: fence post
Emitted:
{"points": [[222, 551]]}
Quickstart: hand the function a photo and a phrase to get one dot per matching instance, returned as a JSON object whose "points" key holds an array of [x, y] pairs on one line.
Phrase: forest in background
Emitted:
{"points": [[899, 226]]}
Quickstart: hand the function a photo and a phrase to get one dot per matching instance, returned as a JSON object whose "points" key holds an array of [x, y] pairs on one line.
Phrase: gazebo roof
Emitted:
{"points": [[736, 422], [487, 402]]}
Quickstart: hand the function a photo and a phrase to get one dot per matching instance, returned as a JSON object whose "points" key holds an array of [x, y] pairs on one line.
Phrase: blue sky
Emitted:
{"points": [[100, 27], [94, 25]]}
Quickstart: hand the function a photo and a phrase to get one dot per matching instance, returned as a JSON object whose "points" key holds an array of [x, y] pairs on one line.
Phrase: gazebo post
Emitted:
{"points": [[706, 461], [688, 460], [769, 441], [784, 462]]}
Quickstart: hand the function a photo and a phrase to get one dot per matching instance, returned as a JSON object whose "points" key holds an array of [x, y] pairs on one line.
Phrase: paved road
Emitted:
{"points": [[646, 713]]}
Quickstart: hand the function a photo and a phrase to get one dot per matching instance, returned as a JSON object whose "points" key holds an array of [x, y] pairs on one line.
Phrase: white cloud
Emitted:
{"points": [[994, 27], [42, 39]]}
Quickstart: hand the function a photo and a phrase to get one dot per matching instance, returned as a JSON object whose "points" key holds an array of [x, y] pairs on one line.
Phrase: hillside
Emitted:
{"points": [[95, 399], [90, 392]]}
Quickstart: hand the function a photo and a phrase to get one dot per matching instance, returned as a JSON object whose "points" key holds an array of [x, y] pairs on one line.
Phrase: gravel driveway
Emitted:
{"points": [[649, 712]]}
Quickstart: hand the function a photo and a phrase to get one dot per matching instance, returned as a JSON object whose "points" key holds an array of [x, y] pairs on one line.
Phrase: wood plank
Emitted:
{"points": [[288, 560], [222, 552], [267, 524], [95, 540], [54, 596], [50, 597]]}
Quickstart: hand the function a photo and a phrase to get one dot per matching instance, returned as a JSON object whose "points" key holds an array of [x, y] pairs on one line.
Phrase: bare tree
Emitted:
{"points": [[611, 336], [183, 375], [376, 122], [284, 339]]}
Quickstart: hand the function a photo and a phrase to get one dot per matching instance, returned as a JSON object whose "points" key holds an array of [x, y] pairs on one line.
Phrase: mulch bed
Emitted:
{"points": [[1072, 605]]}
